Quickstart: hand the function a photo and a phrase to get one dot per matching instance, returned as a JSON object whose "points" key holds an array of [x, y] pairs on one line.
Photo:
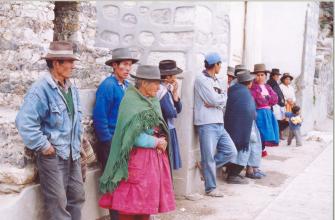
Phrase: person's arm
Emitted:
{"points": [[146, 141], [208, 94], [28, 123], [259, 98], [273, 97], [102, 106], [178, 105]]}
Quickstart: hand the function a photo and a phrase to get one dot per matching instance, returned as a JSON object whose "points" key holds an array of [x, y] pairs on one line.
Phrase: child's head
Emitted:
{"points": [[296, 110]]}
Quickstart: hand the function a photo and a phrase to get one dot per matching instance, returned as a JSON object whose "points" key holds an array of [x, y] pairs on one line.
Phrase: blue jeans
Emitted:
{"points": [[217, 149]]}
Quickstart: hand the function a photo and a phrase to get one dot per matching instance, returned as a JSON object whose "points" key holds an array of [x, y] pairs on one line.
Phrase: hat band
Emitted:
{"points": [[169, 70], [61, 52]]}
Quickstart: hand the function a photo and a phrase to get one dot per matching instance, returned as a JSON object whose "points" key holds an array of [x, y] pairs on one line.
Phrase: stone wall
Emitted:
{"points": [[305, 82], [183, 31], [25, 33], [324, 72]]}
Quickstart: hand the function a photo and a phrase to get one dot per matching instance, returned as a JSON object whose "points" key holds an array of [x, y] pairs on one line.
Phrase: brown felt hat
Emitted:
{"points": [[260, 68], [169, 67], [286, 75], [60, 50], [275, 71]]}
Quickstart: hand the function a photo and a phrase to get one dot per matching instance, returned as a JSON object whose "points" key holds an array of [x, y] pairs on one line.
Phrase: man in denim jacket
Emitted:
{"points": [[49, 122]]}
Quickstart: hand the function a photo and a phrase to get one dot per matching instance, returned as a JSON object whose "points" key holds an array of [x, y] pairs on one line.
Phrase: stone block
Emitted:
{"points": [[110, 38], [146, 38], [13, 175], [87, 100], [156, 56], [161, 16], [184, 15], [129, 20], [173, 38], [203, 19], [110, 12]]}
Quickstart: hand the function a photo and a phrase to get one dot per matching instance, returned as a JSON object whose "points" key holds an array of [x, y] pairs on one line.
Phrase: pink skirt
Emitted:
{"points": [[148, 189]]}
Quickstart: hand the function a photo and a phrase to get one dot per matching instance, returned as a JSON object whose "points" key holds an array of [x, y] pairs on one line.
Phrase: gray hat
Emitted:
{"points": [[119, 54], [147, 72], [230, 71], [244, 76], [239, 68]]}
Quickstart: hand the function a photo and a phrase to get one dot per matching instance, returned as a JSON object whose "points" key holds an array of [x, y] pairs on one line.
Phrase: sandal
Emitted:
{"points": [[260, 172], [253, 175]]}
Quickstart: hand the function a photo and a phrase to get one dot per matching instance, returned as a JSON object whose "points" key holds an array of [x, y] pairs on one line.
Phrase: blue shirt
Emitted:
{"points": [[43, 119], [108, 98], [292, 126]]}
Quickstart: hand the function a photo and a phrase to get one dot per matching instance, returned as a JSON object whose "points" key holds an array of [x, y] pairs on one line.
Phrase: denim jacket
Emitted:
{"points": [[43, 119]]}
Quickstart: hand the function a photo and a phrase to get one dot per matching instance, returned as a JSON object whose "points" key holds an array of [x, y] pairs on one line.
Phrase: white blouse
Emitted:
{"points": [[288, 92]]}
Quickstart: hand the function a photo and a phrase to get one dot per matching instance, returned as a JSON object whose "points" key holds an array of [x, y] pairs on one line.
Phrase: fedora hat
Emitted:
{"points": [[260, 68], [286, 75], [119, 54], [169, 67], [60, 50], [275, 71], [230, 71], [147, 72], [239, 68], [244, 76]]}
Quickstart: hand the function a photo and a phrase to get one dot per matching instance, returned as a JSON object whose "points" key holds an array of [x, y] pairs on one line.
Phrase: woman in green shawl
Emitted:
{"points": [[137, 179]]}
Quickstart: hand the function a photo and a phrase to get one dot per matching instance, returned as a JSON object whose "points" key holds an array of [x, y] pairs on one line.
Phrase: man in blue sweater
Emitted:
{"points": [[108, 97]]}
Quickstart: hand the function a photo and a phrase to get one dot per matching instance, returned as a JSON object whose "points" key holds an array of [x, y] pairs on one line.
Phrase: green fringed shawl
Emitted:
{"points": [[136, 114]]}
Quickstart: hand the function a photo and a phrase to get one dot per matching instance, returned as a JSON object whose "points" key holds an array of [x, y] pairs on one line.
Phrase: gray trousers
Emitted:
{"points": [[62, 187], [294, 134]]}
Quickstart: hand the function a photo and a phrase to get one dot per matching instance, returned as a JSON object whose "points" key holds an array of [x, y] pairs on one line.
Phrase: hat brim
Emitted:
{"points": [[247, 79], [109, 62], [150, 79], [232, 75], [171, 72], [60, 57], [260, 71]]}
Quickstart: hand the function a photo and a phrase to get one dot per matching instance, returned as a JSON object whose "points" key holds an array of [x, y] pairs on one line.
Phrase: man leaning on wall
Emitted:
{"points": [[216, 147], [49, 122]]}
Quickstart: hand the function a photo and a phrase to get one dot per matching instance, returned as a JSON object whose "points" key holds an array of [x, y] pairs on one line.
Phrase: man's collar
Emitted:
{"points": [[206, 74], [125, 83], [55, 83]]}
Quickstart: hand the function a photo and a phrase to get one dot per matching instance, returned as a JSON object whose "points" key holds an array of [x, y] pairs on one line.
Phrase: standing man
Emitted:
{"points": [[108, 97], [230, 74], [217, 148], [49, 122]]}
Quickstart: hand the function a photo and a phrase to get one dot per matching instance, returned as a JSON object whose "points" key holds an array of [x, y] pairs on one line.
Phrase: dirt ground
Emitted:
{"points": [[246, 202]]}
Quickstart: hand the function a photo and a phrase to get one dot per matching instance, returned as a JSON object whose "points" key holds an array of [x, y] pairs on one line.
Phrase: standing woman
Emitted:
{"points": [[265, 98], [170, 104], [288, 91], [137, 179], [278, 109]]}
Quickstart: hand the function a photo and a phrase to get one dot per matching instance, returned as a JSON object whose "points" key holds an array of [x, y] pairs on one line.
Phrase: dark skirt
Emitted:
{"points": [[175, 149]]}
